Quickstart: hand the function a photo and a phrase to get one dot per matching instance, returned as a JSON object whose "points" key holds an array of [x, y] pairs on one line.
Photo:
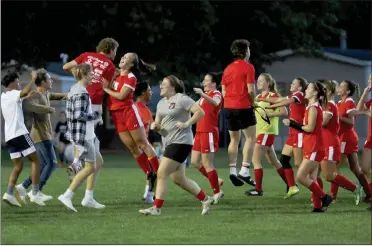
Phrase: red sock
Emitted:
{"points": [[154, 162], [213, 180], [344, 183], [143, 163], [316, 201], [320, 182], [370, 185], [282, 174], [201, 195], [314, 187], [258, 175], [334, 190], [289, 176], [158, 203], [202, 170]]}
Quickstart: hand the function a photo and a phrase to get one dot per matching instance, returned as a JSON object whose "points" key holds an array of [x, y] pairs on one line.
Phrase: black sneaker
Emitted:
{"points": [[247, 179], [326, 201], [235, 180], [253, 192], [318, 210]]}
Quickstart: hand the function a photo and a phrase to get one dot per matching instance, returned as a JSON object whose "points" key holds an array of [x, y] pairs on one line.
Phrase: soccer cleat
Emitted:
{"points": [[11, 200], [292, 192], [235, 180], [326, 201], [253, 192], [91, 203], [357, 194], [44, 197], [318, 210], [20, 194], [206, 205], [217, 197], [150, 198], [247, 179], [67, 202], [38, 199], [150, 211]]}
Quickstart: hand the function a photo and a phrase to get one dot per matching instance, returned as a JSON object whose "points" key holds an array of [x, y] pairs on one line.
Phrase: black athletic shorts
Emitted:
{"points": [[239, 119], [154, 137], [177, 152], [20, 146]]}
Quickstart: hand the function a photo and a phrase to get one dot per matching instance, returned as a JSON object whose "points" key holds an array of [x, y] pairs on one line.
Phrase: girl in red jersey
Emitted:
{"points": [[348, 136], [332, 146], [366, 108], [313, 147], [206, 140], [239, 93], [293, 145], [125, 113], [265, 133], [102, 67], [143, 94]]}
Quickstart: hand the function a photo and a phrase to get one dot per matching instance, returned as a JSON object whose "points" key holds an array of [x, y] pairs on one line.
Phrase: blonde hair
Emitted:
{"points": [[272, 83], [331, 86], [81, 70]]}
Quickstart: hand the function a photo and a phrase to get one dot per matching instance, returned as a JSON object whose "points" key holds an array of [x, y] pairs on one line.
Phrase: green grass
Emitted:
{"points": [[237, 219]]}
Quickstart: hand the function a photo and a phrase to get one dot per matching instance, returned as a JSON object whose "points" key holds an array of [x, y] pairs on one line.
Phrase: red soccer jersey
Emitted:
{"points": [[297, 109], [145, 114], [313, 142], [209, 123], [235, 79], [330, 131], [102, 66], [129, 81], [369, 106], [344, 108]]}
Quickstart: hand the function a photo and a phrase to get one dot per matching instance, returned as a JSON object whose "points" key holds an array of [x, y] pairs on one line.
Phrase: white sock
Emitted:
{"points": [[244, 171], [69, 194], [88, 194], [146, 191], [232, 168]]}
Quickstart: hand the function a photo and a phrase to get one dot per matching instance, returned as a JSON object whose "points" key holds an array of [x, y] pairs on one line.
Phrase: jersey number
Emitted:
{"points": [[115, 86]]}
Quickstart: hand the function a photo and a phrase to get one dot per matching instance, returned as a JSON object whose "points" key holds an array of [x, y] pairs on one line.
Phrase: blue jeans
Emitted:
{"points": [[48, 162]]}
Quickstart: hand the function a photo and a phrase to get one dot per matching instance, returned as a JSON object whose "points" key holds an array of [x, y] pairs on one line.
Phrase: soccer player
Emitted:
{"points": [[41, 131], [125, 113], [332, 147], [313, 145], [60, 137], [206, 139], [143, 94], [238, 91], [173, 121], [265, 133], [348, 136], [102, 67], [18, 139], [80, 130], [366, 108], [293, 145]]}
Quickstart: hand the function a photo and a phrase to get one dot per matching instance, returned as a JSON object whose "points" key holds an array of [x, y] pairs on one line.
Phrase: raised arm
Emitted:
{"points": [[69, 65], [215, 100], [28, 87], [282, 102], [32, 105], [58, 96], [122, 94]]}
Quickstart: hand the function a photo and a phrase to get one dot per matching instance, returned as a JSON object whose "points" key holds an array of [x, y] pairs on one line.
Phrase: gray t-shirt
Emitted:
{"points": [[171, 111]]}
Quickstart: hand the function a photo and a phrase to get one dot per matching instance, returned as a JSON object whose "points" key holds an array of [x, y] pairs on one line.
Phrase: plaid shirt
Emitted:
{"points": [[77, 115]]}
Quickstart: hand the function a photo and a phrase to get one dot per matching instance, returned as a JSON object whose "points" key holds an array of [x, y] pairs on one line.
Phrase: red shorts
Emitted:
{"points": [[349, 146], [265, 139], [206, 142], [368, 144], [127, 119], [332, 153], [295, 139], [314, 156]]}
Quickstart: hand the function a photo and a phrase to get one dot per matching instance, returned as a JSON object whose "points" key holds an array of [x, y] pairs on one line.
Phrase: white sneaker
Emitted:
{"points": [[150, 198], [38, 199], [91, 203], [20, 194], [151, 211], [217, 197], [206, 205], [67, 202], [44, 197], [11, 200]]}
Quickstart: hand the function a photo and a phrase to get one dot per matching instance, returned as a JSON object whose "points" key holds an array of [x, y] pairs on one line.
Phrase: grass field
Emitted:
{"points": [[237, 219]]}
